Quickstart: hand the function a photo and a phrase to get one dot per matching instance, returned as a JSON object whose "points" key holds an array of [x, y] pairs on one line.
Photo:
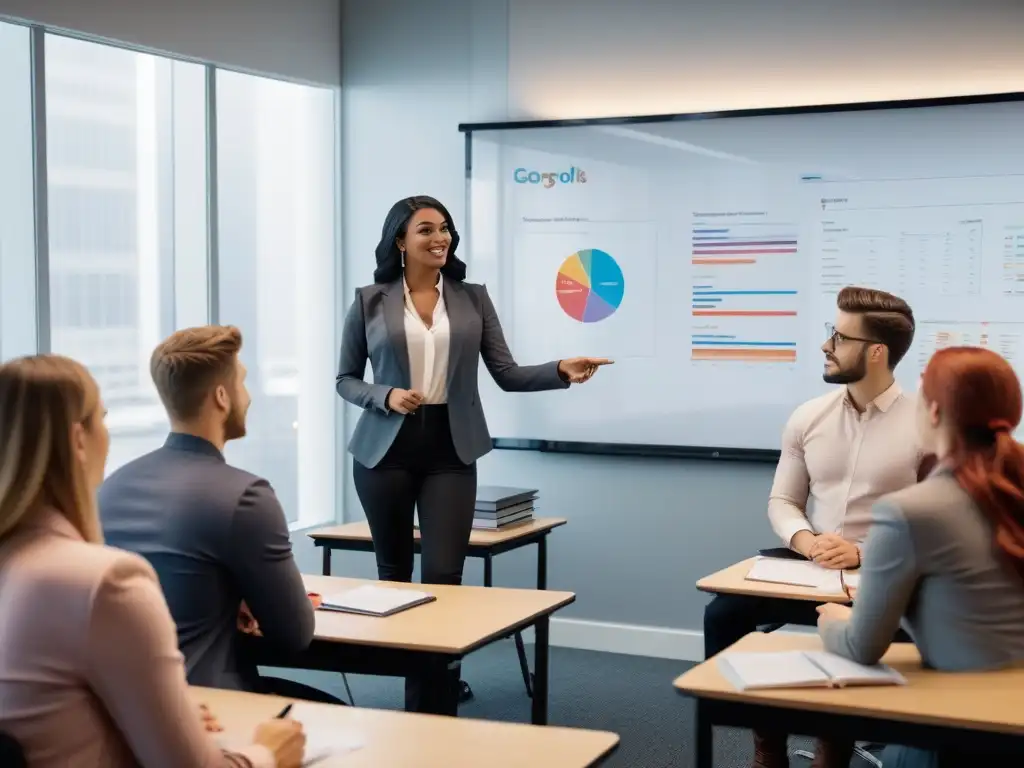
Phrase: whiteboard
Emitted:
{"points": [[704, 257]]}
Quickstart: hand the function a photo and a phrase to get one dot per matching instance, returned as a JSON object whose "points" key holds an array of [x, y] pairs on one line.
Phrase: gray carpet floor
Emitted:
{"points": [[628, 695]]}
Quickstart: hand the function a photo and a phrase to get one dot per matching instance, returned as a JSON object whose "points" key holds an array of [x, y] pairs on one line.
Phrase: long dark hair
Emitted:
{"points": [[979, 394], [396, 223]]}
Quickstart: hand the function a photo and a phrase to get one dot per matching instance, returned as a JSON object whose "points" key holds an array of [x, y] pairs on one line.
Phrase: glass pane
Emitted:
{"points": [[17, 228], [122, 153], [276, 183]]}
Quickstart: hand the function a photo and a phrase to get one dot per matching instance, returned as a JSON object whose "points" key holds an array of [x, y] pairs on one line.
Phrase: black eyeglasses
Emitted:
{"points": [[834, 336]]}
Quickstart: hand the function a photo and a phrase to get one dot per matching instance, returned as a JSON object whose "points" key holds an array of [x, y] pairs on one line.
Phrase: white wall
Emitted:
{"points": [[641, 531], [584, 58], [295, 39]]}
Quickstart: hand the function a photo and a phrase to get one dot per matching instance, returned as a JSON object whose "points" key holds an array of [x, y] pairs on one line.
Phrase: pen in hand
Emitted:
{"points": [[283, 713]]}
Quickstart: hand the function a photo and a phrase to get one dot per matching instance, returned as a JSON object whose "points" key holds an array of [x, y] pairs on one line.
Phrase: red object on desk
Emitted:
{"points": [[316, 599]]}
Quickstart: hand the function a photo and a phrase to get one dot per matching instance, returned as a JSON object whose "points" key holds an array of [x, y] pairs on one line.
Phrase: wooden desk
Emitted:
{"points": [[982, 712], [485, 544], [403, 739], [425, 640], [733, 581], [355, 537]]}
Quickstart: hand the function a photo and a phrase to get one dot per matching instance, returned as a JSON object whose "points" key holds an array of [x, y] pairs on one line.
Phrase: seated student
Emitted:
{"points": [[215, 534], [90, 673], [947, 556], [840, 452]]}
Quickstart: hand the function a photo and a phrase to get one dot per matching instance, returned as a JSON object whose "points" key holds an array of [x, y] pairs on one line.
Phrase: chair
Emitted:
{"points": [[292, 689], [11, 753]]}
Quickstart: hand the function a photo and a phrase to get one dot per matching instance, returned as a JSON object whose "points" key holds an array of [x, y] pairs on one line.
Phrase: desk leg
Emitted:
{"points": [[540, 672], [704, 745], [488, 571], [327, 561], [524, 663], [542, 563]]}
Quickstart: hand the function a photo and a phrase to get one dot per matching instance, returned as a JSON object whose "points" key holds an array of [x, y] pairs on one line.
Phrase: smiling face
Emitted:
{"points": [[427, 239]]}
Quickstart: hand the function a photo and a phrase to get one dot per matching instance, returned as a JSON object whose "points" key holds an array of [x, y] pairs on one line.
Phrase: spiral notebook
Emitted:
{"points": [[375, 600]]}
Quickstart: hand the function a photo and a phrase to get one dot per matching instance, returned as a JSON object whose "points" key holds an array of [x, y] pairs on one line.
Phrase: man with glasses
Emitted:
{"points": [[840, 452]]}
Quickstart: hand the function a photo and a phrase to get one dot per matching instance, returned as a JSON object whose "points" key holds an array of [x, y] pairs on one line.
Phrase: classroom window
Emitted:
{"points": [[277, 260], [17, 230], [126, 165]]}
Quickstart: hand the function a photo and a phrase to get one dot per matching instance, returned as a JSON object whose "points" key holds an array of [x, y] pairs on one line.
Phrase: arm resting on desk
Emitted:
{"points": [[889, 575], [134, 667], [787, 502], [504, 369], [259, 554], [352, 366]]}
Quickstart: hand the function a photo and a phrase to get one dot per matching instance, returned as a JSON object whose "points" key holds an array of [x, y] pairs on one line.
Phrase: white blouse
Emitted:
{"points": [[428, 347]]}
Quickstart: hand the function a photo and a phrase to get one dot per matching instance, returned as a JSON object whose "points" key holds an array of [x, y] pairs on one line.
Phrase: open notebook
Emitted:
{"points": [[374, 600], [751, 671], [799, 573]]}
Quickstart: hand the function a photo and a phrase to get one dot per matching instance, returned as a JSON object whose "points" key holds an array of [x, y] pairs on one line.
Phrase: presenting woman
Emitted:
{"points": [[424, 329], [946, 556]]}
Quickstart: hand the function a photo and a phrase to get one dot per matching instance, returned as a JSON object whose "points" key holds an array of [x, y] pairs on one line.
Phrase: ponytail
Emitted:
{"points": [[991, 471]]}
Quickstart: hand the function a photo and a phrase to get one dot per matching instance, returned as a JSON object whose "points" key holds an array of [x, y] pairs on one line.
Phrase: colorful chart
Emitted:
{"points": [[590, 286]]}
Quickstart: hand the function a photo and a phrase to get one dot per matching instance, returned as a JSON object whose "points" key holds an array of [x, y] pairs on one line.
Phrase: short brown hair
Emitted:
{"points": [[190, 362], [887, 318]]}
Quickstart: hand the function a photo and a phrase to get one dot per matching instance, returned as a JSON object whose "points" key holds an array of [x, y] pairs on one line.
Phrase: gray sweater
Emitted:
{"points": [[930, 560], [215, 535]]}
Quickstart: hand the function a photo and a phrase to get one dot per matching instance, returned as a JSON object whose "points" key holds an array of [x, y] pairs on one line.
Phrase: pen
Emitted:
{"points": [[283, 713]]}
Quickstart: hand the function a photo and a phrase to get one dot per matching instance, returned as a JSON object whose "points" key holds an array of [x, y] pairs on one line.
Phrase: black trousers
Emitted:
{"points": [[728, 618], [420, 472]]}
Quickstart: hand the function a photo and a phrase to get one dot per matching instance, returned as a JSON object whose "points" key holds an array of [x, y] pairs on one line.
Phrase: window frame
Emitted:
{"points": [[175, 278]]}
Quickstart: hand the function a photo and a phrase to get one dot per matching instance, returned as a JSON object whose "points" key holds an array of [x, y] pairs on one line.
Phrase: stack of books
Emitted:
{"points": [[498, 506]]}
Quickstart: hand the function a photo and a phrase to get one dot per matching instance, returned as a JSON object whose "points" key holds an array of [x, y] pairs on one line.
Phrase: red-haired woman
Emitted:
{"points": [[946, 556]]}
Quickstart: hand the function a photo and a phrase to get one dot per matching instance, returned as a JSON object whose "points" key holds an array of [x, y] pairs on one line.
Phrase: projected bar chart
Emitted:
{"points": [[708, 301], [720, 347], [739, 311], [739, 244], [749, 325]]}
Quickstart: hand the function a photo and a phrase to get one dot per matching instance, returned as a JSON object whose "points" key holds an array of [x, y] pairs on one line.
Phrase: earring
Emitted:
{"points": [[402, 252]]}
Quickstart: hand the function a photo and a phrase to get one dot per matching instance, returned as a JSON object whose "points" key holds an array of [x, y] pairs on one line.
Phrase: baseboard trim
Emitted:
{"points": [[632, 639]]}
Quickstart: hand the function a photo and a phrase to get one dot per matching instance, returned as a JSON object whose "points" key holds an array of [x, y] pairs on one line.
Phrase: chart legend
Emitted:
{"points": [[590, 286]]}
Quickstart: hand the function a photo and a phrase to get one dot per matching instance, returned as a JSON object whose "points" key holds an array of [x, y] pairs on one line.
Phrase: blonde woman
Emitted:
{"points": [[90, 672]]}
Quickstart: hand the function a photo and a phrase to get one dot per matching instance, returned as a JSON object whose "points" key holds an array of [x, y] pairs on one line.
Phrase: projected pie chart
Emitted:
{"points": [[590, 286]]}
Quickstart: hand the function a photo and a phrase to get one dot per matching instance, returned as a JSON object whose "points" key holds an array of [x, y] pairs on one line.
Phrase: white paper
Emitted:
{"points": [[784, 669], [842, 670], [324, 736], [798, 573], [371, 598]]}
